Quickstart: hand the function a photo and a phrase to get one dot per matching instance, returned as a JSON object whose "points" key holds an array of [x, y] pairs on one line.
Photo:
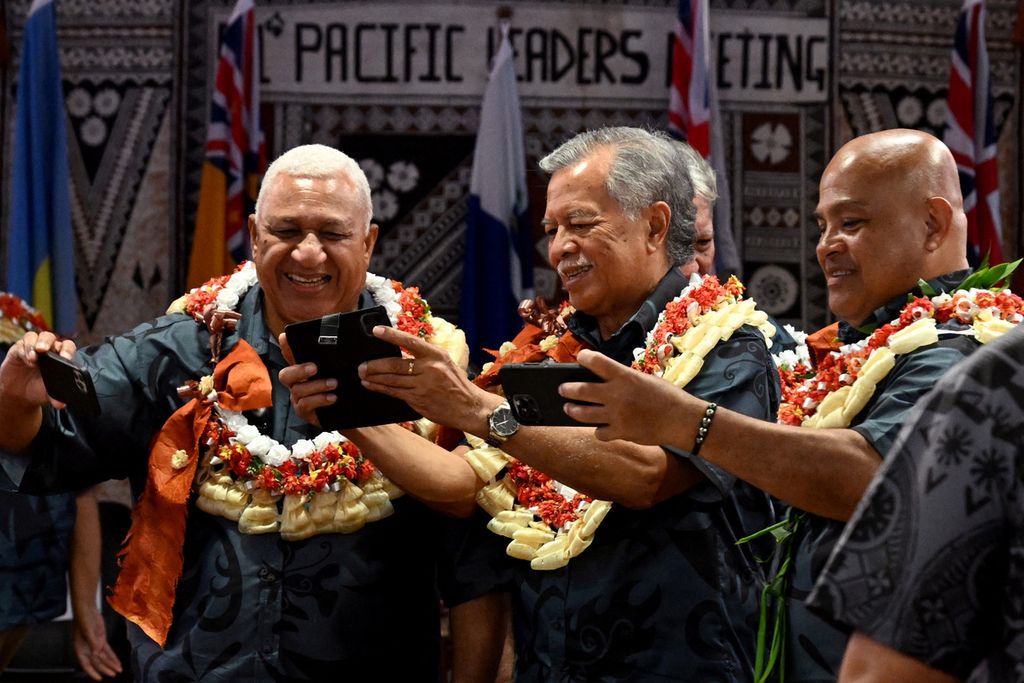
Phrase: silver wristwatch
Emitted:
{"points": [[501, 424]]}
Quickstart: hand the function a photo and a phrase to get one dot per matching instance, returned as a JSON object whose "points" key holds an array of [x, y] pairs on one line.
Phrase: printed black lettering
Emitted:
{"points": [[814, 75], [535, 54], [389, 52], [582, 55], [766, 42], [606, 46], [723, 61], [336, 50], [308, 38], [638, 57], [789, 61], [410, 50], [745, 39], [431, 75], [358, 56], [558, 40], [449, 48]]}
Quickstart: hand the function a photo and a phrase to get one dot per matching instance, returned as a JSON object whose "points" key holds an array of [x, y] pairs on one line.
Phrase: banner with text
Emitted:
{"points": [[564, 54]]}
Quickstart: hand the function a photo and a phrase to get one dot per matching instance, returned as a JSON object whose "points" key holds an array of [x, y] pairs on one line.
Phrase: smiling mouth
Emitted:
{"points": [[573, 273], [308, 281]]}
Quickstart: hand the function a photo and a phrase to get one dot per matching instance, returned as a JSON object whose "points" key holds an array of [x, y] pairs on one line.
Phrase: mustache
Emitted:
{"points": [[573, 265]]}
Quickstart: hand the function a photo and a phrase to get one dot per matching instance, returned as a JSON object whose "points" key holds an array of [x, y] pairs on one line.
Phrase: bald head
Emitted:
{"points": [[890, 212]]}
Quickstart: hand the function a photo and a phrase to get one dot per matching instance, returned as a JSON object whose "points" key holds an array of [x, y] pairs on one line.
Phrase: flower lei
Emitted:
{"points": [[550, 523], [326, 463], [703, 314], [17, 317], [837, 389]]}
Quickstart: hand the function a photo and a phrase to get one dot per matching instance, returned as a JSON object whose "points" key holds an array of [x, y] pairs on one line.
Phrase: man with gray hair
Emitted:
{"points": [[260, 550], [705, 192], [662, 591]]}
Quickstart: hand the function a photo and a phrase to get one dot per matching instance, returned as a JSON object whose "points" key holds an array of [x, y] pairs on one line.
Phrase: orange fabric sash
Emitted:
{"points": [[151, 558], [822, 342]]}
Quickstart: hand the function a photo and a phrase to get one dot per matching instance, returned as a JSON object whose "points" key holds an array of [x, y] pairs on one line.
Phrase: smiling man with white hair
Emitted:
{"points": [[260, 549]]}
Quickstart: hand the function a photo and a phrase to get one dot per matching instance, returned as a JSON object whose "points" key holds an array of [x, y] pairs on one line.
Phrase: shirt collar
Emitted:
{"points": [[634, 331], [891, 309]]}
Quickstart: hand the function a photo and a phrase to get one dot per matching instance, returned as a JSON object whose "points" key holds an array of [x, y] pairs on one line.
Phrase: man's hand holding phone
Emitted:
{"points": [[22, 391]]}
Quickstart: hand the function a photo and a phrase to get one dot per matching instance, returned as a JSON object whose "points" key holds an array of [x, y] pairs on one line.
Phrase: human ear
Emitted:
{"points": [[252, 234], [940, 220], [658, 219]]}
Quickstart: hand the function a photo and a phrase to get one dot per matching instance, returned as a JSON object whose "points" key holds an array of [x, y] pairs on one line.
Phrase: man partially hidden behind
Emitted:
{"points": [[663, 592], [252, 604], [890, 213]]}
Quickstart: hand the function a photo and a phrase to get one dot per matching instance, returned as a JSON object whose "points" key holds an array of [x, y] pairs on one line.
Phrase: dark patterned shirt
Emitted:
{"points": [[35, 541], [35, 544], [252, 607], [815, 645], [932, 562], [663, 593]]}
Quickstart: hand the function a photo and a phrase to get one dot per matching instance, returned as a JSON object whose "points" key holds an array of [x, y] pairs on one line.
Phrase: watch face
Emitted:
{"points": [[503, 423]]}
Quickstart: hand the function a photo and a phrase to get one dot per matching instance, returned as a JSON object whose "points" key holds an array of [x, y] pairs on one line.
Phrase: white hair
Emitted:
{"points": [[647, 168], [318, 161], [701, 174]]}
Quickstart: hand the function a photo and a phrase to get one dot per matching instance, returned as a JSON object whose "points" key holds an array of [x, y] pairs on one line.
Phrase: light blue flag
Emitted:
{"points": [[40, 262], [498, 267]]}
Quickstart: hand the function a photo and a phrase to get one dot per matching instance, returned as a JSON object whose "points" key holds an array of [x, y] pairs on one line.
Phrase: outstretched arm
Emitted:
{"points": [[628, 473], [823, 471]]}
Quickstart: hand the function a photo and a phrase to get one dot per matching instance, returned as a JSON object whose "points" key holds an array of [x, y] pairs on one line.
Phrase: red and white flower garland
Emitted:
{"points": [[833, 393], [245, 470]]}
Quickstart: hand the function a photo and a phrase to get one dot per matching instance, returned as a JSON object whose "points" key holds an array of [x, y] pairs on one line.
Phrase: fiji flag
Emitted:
{"points": [[971, 135], [235, 154], [40, 263], [498, 268]]}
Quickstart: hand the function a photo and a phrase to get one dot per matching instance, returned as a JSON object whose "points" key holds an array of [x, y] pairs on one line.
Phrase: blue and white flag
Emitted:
{"points": [[40, 261], [498, 267]]}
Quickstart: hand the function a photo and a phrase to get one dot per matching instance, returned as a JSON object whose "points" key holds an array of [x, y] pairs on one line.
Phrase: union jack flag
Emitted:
{"points": [[689, 109], [971, 135], [235, 153], [693, 104]]}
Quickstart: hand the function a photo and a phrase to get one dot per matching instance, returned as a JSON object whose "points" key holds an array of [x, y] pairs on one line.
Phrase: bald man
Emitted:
{"points": [[890, 213]]}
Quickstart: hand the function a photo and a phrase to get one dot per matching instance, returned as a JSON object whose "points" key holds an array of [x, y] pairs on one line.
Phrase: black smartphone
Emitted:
{"points": [[338, 343], [69, 383], [531, 389]]}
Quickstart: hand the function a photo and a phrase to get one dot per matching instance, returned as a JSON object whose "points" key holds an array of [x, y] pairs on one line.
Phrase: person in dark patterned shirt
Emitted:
{"points": [[252, 605], [890, 214], [663, 592], [930, 569]]}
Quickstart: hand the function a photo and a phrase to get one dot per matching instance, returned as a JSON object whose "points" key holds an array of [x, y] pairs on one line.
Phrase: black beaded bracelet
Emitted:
{"points": [[705, 425]]}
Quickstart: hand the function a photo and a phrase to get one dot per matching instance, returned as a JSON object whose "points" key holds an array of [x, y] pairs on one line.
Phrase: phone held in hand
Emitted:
{"points": [[68, 383], [531, 389], [338, 344]]}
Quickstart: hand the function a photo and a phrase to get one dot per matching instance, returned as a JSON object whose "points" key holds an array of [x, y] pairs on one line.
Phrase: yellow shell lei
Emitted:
{"points": [[341, 506], [692, 324]]}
